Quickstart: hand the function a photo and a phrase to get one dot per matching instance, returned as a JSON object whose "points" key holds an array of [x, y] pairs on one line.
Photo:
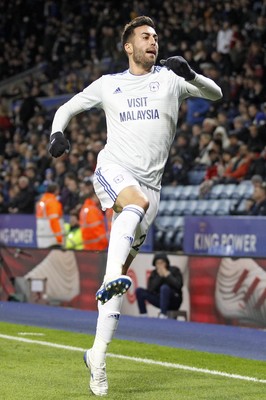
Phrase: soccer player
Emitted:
{"points": [[141, 106]]}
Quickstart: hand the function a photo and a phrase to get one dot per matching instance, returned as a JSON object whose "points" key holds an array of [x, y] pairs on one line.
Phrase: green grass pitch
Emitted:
{"points": [[31, 370]]}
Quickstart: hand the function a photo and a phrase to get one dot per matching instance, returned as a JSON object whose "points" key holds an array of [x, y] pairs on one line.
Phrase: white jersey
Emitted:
{"points": [[141, 115]]}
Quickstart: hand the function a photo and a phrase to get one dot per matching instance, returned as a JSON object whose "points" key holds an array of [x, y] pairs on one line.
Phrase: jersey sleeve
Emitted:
{"points": [[203, 87], [90, 97]]}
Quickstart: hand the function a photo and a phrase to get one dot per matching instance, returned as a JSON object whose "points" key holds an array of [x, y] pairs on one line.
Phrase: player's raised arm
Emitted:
{"points": [[206, 87]]}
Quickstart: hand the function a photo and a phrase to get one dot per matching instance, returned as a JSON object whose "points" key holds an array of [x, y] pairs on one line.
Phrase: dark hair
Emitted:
{"points": [[135, 23], [161, 256], [52, 187]]}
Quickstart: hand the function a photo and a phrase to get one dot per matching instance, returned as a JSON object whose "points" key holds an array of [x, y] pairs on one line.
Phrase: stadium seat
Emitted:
{"points": [[243, 190], [195, 176], [167, 192], [162, 207], [202, 206], [186, 192], [213, 207], [216, 191], [223, 207], [228, 191], [191, 205], [181, 205], [170, 207]]}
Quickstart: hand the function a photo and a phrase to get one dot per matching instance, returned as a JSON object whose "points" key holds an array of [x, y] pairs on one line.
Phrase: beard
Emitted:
{"points": [[143, 59]]}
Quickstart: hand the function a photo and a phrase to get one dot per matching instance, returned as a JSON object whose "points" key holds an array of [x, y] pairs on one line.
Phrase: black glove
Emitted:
{"points": [[58, 144], [180, 67]]}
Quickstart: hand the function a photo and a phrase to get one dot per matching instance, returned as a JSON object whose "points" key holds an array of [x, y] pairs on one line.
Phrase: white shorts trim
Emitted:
{"points": [[109, 181]]}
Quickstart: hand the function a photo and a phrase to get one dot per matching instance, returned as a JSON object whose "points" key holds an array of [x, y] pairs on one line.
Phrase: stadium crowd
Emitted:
{"points": [[70, 44]]}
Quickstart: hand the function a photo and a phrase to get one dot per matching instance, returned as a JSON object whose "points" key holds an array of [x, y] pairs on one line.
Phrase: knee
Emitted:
{"points": [[165, 289]]}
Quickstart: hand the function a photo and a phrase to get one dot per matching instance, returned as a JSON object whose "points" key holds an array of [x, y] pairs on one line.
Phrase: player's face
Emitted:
{"points": [[144, 46]]}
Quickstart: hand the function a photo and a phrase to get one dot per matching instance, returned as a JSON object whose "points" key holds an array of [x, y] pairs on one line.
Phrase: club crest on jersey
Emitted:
{"points": [[118, 178], [154, 86]]}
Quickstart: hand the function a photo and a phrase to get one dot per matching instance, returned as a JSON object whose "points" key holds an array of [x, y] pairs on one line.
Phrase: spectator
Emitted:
{"points": [[234, 142], [69, 194], [164, 288], [238, 167], [60, 172], [259, 197], [224, 38], [24, 200], [177, 174], [3, 205], [205, 144], [29, 106], [49, 219], [257, 165]]}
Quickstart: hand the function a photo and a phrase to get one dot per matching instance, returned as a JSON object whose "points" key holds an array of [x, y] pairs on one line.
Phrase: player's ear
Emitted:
{"points": [[128, 48]]}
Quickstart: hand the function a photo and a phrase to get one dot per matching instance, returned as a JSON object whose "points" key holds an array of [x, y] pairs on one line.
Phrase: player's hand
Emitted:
{"points": [[58, 144], [180, 67]]}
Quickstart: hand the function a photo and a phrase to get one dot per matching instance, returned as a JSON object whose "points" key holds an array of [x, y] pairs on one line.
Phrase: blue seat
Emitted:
{"points": [[195, 177], [202, 206], [167, 192], [163, 222], [181, 205], [170, 207], [228, 191], [243, 190], [217, 191], [162, 207], [161, 225], [224, 207], [213, 207], [186, 192], [191, 205]]}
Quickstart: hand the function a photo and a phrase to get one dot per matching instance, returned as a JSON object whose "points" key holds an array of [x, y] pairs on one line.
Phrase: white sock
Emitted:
{"points": [[108, 318], [121, 239]]}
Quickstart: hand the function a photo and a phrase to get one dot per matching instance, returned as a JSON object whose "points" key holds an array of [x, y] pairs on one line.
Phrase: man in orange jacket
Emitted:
{"points": [[92, 223], [49, 218]]}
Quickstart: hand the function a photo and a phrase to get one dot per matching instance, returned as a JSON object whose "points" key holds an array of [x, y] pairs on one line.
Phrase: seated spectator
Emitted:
{"points": [[205, 144], [234, 142], [257, 164], [238, 208], [69, 194], [24, 200], [255, 138], [259, 197], [177, 173], [3, 205], [164, 289], [238, 167]]}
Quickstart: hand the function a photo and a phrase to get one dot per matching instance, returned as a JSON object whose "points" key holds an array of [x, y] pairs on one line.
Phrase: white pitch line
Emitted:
{"points": [[137, 359]]}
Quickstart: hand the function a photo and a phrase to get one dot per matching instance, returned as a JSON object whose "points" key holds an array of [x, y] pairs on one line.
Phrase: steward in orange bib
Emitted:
{"points": [[49, 218], [93, 225]]}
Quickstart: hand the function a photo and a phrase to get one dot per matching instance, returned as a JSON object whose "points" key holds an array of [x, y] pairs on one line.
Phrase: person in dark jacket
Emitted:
{"points": [[164, 289]]}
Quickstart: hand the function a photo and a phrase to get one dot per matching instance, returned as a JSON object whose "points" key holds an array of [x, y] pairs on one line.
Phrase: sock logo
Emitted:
{"points": [[114, 316], [130, 239]]}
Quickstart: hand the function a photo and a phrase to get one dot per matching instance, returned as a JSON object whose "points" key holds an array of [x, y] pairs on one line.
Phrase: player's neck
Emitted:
{"points": [[136, 69]]}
